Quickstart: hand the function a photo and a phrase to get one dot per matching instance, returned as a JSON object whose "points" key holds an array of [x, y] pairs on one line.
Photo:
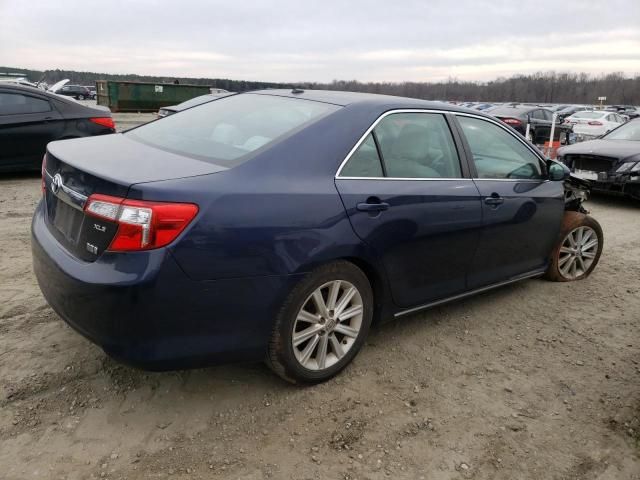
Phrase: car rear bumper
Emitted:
{"points": [[143, 310]]}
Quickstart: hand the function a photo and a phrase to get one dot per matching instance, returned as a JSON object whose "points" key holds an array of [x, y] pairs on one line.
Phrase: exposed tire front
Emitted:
{"points": [[322, 324], [578, 250]]}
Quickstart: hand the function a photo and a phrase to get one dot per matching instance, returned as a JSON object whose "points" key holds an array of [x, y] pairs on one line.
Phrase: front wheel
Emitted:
{"points": [[578, 250], [322, 324]]}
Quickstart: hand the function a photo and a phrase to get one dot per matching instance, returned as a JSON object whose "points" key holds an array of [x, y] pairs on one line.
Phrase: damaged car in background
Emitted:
{"points": [[611, 163]]}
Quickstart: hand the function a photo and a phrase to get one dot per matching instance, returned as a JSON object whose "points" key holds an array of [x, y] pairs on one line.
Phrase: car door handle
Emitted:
{"points": [[494, 200], [372, 207]]}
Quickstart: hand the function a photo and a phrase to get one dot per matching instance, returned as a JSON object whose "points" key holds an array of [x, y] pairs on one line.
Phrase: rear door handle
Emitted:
{"points": [[372, 207], [494, 200]]}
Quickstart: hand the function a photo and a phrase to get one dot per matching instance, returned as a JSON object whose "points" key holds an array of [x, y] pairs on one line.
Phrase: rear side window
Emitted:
{"points": [[16, 104], [365, 161], [411, 145], [227, 130], [497, 154]]}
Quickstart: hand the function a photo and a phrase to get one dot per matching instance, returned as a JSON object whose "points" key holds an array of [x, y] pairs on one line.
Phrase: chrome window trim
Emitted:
{"points": [[404, 179], [441, 112]]}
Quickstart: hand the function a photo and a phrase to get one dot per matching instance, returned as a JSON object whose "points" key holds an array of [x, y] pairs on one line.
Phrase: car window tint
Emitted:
{"points": [[224, 132], [547, 115], [365, 161], [417, 145], [498, 154], [15, 103], [537, 114]]}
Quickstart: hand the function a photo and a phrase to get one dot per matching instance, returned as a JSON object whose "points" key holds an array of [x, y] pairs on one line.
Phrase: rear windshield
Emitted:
{"points": [[226, 131], [588, 115]]}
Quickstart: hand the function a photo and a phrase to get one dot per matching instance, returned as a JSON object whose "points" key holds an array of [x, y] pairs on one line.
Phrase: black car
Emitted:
{"points": [[611, 163], [30, 118], [76, 91], [170, 110], [540, 120]]}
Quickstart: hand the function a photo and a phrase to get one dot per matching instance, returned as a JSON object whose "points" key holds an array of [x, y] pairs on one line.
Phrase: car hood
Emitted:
{"points": [[120, 159], [619, 149]]}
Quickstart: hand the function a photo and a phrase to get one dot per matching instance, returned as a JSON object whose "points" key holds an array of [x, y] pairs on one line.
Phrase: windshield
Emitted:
{"points": [[628, 131], [227, 130]]}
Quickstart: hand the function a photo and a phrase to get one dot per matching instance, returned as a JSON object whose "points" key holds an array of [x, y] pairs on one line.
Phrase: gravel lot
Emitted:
{"points": [[537, 380]]}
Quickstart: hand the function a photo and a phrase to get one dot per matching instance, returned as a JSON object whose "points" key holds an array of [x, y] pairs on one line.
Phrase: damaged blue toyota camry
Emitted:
{"points": [[279, 225]]}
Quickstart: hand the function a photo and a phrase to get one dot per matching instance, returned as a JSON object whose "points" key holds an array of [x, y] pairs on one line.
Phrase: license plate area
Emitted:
{"points": [[68, 221]]}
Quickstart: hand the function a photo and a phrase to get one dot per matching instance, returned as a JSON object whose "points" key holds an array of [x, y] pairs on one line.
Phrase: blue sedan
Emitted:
{"points": [[280, 225]]}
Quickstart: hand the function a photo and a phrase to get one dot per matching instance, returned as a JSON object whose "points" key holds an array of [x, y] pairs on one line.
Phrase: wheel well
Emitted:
{"points": [[377, 285]]}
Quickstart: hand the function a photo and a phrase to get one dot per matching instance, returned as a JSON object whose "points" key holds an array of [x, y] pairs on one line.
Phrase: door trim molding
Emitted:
{"points": [[535, 273]]}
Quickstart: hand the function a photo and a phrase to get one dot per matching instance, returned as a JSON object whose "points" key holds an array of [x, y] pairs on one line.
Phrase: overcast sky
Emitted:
{"points": [[304, 40]]}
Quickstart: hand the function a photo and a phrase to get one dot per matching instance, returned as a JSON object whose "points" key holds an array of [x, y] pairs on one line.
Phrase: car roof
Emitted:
{"points": [[344, 99]]}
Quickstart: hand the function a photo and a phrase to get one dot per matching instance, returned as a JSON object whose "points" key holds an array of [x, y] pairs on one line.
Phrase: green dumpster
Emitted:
{"points": [[144, 97]]}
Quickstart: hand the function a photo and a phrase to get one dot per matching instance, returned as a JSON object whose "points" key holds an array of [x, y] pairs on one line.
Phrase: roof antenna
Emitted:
{"points": [[297, 90]]}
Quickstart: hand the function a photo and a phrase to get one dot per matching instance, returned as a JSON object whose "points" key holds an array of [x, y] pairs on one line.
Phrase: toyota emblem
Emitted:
{"points": [[56, 183]]}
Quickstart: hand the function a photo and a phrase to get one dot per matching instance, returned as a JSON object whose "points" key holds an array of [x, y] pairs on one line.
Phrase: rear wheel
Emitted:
{"points": [[322, 324], [578, 250]]}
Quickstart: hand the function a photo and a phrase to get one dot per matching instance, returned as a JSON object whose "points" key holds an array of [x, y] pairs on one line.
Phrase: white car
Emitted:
{"points": [[594, 123]]}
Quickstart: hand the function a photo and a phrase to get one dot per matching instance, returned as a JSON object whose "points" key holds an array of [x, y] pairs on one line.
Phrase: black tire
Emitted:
{"points": [[281, 357], [572, 221]]}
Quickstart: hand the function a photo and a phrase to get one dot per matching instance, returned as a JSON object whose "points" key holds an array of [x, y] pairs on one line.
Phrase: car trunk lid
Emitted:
{"points": [[76, 169]]}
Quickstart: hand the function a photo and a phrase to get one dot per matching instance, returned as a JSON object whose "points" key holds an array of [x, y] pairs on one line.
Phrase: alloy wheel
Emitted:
{"points": [[578, 252], [327, 325]]}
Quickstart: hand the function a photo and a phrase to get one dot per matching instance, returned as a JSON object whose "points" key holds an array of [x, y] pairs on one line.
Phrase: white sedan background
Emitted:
{"points": [[594, 123]]}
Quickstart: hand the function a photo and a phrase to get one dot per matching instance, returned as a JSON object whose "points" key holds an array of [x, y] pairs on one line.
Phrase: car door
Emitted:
{"points": [[408, 195], [522, 209], [27, 123]]}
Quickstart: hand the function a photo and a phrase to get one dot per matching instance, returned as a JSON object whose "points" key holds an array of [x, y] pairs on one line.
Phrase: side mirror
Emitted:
{"points": [[557, 171]]}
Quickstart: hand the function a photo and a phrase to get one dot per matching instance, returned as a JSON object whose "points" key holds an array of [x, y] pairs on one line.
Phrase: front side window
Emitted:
{"points": [[16, 104], [497, 154], [417, 145], [227, 130]]}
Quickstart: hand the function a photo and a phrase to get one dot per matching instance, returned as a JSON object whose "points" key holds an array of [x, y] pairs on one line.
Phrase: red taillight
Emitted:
{"points": [[42, 170], [512, 121], [142, 225], [595, 123], [104, 121]]}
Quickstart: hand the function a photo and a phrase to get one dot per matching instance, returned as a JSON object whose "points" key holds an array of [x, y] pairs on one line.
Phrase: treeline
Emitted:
{"points": [[547, 87]]}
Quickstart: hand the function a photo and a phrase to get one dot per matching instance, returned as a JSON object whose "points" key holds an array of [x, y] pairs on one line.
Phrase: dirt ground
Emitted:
{"points": [[537, 380]]}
